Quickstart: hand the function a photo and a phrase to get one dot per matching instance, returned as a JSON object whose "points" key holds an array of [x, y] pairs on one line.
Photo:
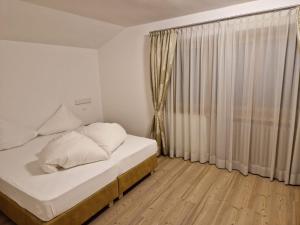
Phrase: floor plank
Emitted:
{"points": [[185, 193]]}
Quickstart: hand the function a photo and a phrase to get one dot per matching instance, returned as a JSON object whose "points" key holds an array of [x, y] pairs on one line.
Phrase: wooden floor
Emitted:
{"points": [[185, 193]]}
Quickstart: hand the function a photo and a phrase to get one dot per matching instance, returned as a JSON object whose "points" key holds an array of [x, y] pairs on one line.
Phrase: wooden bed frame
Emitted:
{"points": [[86, 208]]}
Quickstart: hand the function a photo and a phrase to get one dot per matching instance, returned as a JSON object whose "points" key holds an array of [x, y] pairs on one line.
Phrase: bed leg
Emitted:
{"points": [[111, 204], [121, 196]]}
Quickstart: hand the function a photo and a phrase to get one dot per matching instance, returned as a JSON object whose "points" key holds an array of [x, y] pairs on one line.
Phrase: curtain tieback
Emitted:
{"points": [[158, 114]]}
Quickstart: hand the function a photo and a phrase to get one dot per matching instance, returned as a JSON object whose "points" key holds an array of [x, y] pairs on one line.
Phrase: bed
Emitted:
{"points": [[28, 196]]}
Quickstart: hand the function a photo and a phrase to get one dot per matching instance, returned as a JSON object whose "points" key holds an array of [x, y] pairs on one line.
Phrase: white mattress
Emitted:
{"points": [[48, 195], [133, 151]]}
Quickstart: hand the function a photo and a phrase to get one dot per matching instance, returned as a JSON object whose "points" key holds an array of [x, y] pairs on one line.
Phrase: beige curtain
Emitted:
{"points": [[234, 95], [162, 51], [298, 23]]}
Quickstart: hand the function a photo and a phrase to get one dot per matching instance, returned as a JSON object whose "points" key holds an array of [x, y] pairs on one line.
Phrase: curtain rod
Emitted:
{"points": [[227, 18]]}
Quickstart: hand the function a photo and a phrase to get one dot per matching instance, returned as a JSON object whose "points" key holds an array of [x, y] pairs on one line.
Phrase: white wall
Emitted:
{"points": [[36, 78], [124, 65]]}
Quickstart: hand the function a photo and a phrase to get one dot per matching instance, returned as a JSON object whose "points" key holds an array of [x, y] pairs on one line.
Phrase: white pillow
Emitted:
{"points": [[69, 150], [108, 136], [12, 135], [62, 120]]}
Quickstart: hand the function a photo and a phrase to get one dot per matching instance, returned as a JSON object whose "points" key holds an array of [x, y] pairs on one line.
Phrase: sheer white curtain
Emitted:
{"points": [[234, 97]]}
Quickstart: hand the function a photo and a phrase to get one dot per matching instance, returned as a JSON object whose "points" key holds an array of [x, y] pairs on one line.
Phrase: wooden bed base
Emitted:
{"points": [[76, 215], [86, 208], [132, 176]]}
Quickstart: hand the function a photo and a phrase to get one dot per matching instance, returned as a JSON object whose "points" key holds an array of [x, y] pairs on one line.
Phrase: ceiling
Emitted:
{"points": [[22, 21], [133, 12]]}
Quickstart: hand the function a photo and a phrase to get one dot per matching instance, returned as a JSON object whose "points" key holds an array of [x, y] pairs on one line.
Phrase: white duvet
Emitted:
{"points": [[70, 150]]}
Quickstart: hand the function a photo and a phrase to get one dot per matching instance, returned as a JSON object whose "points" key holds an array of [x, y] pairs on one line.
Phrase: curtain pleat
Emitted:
{"points": [[234, 97]]}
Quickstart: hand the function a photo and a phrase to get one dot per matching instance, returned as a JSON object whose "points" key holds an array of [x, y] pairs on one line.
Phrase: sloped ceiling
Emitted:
{"points": [[22, 21], [134, 12]]}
